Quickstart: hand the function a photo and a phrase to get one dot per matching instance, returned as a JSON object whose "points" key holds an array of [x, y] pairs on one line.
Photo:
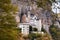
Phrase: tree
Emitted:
{"points": [[45, 4], [55, 32], [8, 24]]}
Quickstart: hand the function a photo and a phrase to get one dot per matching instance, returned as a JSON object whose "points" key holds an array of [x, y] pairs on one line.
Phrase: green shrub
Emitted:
{"points": [[55, 32]]}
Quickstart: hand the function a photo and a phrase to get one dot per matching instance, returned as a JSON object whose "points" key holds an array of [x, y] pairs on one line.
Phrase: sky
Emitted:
{"points": [[54, 7]]}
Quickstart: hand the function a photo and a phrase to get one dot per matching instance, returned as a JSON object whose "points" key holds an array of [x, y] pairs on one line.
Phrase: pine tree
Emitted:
{"points": [[8, 24]]}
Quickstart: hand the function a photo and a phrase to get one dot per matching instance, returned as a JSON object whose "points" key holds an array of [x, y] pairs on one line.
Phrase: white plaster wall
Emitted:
{"points": [[39, 25], [25, 29]]}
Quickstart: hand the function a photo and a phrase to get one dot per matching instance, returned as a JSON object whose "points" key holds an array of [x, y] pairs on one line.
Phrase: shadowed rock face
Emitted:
{"points": [[26, 8]]}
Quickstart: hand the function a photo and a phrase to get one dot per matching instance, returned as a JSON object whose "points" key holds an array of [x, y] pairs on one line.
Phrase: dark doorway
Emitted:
{"points": [[30, 29]]}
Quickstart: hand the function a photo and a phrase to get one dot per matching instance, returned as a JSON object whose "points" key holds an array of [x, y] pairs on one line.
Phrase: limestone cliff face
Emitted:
{"points": [[28, 9]]}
